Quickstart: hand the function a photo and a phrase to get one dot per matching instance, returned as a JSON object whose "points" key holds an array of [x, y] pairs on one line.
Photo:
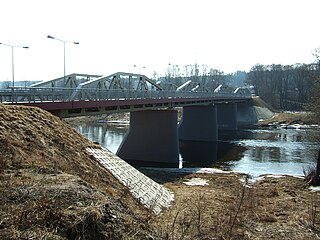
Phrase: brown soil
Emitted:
{"points": [[50, 188]]}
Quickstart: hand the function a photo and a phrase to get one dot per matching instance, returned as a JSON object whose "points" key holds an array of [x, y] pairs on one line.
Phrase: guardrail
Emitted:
{"points": [[32, 95]]}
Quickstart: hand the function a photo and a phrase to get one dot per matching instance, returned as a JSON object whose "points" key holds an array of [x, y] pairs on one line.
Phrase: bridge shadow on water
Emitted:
{"points": [[195, 155], [210, 154]]}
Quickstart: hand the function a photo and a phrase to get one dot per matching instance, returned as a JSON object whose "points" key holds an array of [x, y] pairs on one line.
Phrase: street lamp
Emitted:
{"points": [[138, 67], [12, 62], [64, 53], [173, 69]]}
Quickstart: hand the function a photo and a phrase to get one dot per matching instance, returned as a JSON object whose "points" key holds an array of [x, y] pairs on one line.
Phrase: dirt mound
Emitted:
{"points": [[50, 188]]}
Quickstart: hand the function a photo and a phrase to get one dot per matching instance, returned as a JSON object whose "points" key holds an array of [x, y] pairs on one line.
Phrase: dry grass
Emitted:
{"points": [[225, 209], [204, 212], [291, 118], [50, 187]]}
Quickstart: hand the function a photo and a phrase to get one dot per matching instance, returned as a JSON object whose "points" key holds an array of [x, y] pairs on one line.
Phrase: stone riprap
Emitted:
{"points": [[144, 189]]}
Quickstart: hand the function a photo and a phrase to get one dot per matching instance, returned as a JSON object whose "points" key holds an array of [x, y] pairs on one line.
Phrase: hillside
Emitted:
{"points": [[50, 188]]}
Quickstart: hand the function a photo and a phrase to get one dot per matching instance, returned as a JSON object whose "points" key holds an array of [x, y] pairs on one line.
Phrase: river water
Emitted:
{"points": [[252, 151]]}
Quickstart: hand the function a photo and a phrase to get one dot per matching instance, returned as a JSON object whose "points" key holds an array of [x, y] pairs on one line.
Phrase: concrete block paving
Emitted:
{"points": [[148, 192]]}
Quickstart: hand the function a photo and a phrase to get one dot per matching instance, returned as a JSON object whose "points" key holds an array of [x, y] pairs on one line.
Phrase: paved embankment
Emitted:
{"points": [[147, 191]]}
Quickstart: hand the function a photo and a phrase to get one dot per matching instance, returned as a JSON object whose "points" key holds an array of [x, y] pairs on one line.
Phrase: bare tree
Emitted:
{"points": [[284, 87], [316, 54], [315, 99]]}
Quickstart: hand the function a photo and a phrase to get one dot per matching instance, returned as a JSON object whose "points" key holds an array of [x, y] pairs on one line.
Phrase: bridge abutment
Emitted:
{"points": [[246, 113], [152, 138], [227, 116], [199, 123]]}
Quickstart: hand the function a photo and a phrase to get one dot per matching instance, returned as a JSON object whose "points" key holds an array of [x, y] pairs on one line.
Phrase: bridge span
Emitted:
{"points": [[154, 132]]}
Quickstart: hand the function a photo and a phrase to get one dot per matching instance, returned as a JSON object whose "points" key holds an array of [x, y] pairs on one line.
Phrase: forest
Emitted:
{"points": [[285, 87]]}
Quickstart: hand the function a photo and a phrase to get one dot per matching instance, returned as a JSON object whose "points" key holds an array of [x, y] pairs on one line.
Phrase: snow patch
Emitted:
{"points": [[211, 170], [188, 170], [196, 182], [262, 177], [274, 176], [314, 189]]}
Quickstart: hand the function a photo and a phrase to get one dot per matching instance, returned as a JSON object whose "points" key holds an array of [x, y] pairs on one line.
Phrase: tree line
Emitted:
{"points": [[285, 87], [207, 77]]}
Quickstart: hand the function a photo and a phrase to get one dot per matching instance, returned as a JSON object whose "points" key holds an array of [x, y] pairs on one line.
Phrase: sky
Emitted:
{"points": [[115, 35]]}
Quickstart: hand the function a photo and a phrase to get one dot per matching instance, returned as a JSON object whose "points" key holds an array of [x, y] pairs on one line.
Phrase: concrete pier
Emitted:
{"points": [[152, 138], [199, 123], [227, 116]]}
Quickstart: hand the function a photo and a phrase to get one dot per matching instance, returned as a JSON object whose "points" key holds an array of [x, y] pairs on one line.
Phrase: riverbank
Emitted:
{"points": [[225, 206], [290, 118], [51, 188]]}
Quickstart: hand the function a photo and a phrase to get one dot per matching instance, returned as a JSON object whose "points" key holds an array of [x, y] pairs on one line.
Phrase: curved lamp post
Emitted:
{"points": [[64, 53]]}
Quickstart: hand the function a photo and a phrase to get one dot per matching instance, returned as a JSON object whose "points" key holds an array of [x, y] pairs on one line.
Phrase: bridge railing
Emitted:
{"points": [[26, 94], [32, 94]]}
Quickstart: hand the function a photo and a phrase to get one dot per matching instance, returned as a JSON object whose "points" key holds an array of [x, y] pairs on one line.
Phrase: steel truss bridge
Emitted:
{"points": [[83, 94]]}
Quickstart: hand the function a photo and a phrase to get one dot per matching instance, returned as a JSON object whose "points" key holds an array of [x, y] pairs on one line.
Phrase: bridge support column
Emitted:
{"points": [[227, 116], [199, 123], [152, 138]]}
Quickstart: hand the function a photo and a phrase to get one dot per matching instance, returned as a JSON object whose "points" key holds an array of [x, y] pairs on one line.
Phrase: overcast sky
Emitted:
{"points": [[114, 35]]}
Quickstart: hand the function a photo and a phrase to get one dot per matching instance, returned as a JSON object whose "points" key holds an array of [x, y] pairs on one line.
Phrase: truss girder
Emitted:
{"points": [[69, 81], [120, 85], [121, 80]]}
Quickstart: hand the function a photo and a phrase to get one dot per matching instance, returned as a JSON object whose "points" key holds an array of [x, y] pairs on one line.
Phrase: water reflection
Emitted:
{"points": [[258, 151], [277, 151], [109, 136], [198, 154]]}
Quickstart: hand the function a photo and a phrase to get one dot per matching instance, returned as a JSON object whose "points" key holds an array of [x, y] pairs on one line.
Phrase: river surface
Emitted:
{"points": [[252, 151]]}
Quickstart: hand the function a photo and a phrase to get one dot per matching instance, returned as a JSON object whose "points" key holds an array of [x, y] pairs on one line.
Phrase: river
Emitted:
{"points": [[252, 151]]}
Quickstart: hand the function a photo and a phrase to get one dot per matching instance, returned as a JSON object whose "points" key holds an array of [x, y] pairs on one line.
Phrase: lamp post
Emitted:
{"points": [[64, 53], [138, 67], [12, 62], [173, 69]]}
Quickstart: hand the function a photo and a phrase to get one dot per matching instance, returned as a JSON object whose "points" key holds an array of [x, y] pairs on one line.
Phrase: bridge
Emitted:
{"points": [[154, 131]]}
